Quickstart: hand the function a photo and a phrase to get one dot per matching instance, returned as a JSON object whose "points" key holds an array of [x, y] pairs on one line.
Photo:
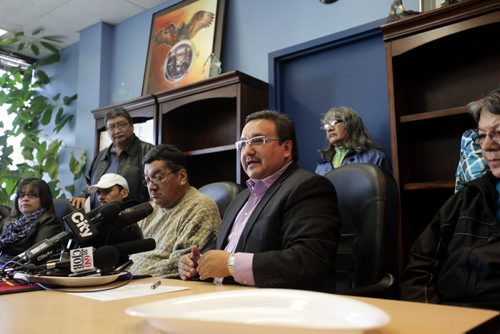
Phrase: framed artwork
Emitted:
{"points": [[183, 40]]}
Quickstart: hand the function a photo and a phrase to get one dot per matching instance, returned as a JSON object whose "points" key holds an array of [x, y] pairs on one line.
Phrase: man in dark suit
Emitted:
{"points": [[282, 231]]}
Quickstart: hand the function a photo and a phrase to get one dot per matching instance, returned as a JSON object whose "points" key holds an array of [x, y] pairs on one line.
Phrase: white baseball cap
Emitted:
{"points": [[109, 180]]}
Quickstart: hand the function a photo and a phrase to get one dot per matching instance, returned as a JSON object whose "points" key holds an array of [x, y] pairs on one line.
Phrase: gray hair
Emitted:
{"points": [[118, 111], [490, 103], [358, 138]]}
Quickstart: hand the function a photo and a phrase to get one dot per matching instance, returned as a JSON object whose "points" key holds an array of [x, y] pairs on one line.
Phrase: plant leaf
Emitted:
{"points": [[35, 49], [49, 46]]}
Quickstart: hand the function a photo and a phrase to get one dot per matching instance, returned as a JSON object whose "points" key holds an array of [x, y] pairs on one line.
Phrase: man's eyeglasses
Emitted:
{"points": [[493, 135], [255, 141], [29, 195], [158, 179], [117, 126], [333, 122]]}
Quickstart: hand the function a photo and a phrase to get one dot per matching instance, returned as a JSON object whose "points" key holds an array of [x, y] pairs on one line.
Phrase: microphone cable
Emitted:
{"points": [[127, 277]]}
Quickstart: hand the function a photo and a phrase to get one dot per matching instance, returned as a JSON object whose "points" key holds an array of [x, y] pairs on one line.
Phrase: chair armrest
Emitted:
{"points": [[385, 288]]}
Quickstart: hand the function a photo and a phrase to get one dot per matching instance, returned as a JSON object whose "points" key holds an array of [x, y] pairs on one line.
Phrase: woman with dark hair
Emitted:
{"points": [[349, 142], [31, 220]]}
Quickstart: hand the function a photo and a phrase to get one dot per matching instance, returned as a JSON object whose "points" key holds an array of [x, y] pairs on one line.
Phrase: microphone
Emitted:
{"points": [[42, 250], [83, 260], [133, 214], [85, 228], [106, 213], [136, 246]]}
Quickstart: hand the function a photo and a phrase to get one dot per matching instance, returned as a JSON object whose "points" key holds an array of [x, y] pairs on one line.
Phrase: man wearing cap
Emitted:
{"points": [[114, 188]]}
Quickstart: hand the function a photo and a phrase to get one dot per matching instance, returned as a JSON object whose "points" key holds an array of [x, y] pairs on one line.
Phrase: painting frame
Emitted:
{"points": [[183, 40]]}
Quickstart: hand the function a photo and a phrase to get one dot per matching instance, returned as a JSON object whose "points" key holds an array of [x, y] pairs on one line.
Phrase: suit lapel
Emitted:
{"points": [[262, 204], [229, 217]]}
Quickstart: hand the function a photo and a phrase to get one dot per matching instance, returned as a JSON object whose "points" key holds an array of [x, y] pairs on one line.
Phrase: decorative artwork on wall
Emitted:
{"points": [[182, 42]]}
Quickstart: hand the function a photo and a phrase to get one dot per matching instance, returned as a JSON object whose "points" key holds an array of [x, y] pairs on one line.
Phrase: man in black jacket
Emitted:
{"points": [[282, 231], [123, 157], [456, 260]]}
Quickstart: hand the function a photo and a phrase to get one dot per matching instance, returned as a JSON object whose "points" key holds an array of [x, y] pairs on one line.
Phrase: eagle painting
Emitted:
{"points": [[181, 54]]}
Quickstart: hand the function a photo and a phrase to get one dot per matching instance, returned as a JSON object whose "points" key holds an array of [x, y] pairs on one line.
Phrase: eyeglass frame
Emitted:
{"points": [[157, 182], [30, 195], [117, 126], [333, 122], [241, 144], [494, 135]]}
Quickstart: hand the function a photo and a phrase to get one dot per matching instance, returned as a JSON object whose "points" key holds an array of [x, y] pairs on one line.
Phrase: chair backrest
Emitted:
{"points": [[62, 207], [4, 211], [368, 198], [222, 193]]}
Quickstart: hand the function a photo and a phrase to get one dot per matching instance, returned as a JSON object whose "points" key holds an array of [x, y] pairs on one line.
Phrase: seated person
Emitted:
{"points": [[471, 164], [280, 232], [456, 260], [114, 188], [182, 215], [349, 142], [31, 220]]}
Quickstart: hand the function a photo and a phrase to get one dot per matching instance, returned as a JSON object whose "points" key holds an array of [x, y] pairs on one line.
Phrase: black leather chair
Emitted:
{"points": [[367, 256], [62, 207], [222, 193], [4, 211]]}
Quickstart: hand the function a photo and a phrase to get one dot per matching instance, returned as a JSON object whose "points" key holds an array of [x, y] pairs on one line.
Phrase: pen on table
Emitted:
{"points": [[155, 284]]}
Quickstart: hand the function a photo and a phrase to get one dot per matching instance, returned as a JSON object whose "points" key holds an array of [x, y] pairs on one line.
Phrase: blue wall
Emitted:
{"points": [[109, 61], [342, 69]]}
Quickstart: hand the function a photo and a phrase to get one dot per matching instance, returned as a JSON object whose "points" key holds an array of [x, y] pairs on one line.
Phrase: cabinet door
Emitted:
{"points": [[437, 62]]}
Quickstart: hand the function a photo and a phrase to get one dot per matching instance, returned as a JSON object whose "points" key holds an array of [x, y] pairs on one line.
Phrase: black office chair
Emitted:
{"points": [[367, 255], [222, 193], [4, 211], [62, 207]]}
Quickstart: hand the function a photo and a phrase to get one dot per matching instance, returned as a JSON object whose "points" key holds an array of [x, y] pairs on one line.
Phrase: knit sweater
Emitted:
{"points": [[195, 220]]}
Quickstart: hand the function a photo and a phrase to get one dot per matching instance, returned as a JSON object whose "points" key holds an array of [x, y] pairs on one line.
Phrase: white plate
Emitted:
{"points": [[250, 311], [69, 281]]}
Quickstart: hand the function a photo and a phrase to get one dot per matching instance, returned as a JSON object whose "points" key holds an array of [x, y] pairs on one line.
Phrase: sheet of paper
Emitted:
{"points": [[129, 291]]}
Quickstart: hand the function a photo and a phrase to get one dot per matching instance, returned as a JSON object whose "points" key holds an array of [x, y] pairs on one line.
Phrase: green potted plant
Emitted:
{"points": [[36, 116]]}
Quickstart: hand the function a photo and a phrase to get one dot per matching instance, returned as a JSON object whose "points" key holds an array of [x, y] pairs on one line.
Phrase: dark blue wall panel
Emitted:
{"points": [[344, 69]]}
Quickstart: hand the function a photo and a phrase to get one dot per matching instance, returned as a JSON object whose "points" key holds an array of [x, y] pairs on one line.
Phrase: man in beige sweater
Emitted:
{"points": [[182, 215]]}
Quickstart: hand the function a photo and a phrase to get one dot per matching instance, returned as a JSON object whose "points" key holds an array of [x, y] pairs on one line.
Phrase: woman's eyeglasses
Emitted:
{"points": [[333, 122], [494, 135], [29, 195]]}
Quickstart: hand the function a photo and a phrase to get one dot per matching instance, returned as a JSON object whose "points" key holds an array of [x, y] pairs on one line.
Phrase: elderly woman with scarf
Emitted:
{"points": [[31, 220]]}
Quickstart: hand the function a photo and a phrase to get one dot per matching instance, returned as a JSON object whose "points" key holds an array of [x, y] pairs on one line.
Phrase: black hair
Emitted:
{"points": [[41, 188], [285, 127], [171, 155]]}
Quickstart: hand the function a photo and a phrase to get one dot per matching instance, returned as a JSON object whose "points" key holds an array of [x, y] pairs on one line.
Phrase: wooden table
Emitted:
{"points": [[57, 312]]}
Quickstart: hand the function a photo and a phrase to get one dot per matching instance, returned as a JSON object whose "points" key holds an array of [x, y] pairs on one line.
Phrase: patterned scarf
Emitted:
{"points": [[20, 228]]}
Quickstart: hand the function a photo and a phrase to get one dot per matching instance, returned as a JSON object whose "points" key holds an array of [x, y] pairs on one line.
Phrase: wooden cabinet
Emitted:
{"points": [[205, 119], [437, 62], [143, 111]]}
